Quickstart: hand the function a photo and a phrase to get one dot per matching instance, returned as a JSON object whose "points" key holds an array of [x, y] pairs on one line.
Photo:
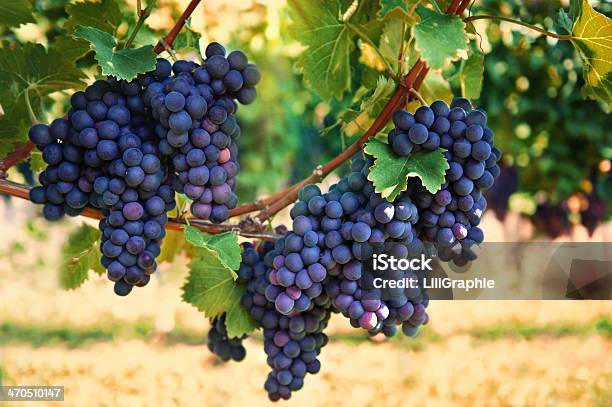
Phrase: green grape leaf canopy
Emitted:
{"points": [[80, 254], [124, 63], [591, 34], [13, 13], [69, 47], [439, 38], [104, 15], [390, 173], [325, 63]]}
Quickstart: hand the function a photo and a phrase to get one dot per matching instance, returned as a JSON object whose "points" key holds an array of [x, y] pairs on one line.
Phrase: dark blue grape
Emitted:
{"points": [[418, 133], [251, 75], [425, 116]]}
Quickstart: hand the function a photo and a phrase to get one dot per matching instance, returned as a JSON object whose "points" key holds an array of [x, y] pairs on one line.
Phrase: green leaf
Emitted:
{"points": [[13, 13], [36, 161], [390, 41], [374, 104], [325, 63], [104, 15], [575, 9], [80, 254], [31, 67], [238, 321], [172, 245], [439, 38], [187, 39], [123, 63], [472, 74], [592, 36], [388, 6], [565, 21], [365, 107], [211, 288], [29, 71], [390, 173], [224, 246], [71, 48]]}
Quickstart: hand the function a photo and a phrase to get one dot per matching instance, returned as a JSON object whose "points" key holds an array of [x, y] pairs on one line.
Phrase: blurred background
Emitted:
{"points": [[149, 348]]}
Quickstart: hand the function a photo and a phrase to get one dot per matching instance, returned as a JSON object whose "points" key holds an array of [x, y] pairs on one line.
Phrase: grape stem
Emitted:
{"points": [[252, 231], [417, 95], [21, 153], [169, 38], [364, 37], [511, 20], [143, 14], [288, 196]]}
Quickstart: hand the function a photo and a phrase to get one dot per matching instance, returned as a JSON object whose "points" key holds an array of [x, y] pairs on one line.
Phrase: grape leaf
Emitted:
{"points": [[439, 38], [365, 107], [36, 162], [224, 246], [80, 254], [472, 74], [565, 21], [13, 13], [399, 9], [592, 36], [71, 48], [172, 245], [390, 41], [325, 63], [210, 287], [238, 321], [187, 39], [29, 71], [124, 63], [104, 15], [390, 173]]}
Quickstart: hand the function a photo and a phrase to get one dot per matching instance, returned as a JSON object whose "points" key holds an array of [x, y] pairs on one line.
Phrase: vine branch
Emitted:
{"points": [[252, 231], [169, 38], [271, 205], [143, 14], [413, 80], [522, 23]]}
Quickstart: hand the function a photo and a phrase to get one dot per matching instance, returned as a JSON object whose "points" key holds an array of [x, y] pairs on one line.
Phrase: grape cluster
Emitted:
{"points": [[291, 342], [333, 233], [195, 110], [105, 156], [221, 345], [451, 216], [317, 268], [293, 285], [126, 148]]}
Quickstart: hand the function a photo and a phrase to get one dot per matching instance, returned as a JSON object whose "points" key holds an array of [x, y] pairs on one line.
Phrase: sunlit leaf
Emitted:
{"points": [[390, 172]]}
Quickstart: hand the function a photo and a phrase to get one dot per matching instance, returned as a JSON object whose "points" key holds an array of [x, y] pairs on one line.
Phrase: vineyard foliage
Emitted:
{"points": [[349, 54]]}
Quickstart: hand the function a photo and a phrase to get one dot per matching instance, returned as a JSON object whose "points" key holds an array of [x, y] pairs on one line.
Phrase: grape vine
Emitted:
{"points": [[151, 148]]}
